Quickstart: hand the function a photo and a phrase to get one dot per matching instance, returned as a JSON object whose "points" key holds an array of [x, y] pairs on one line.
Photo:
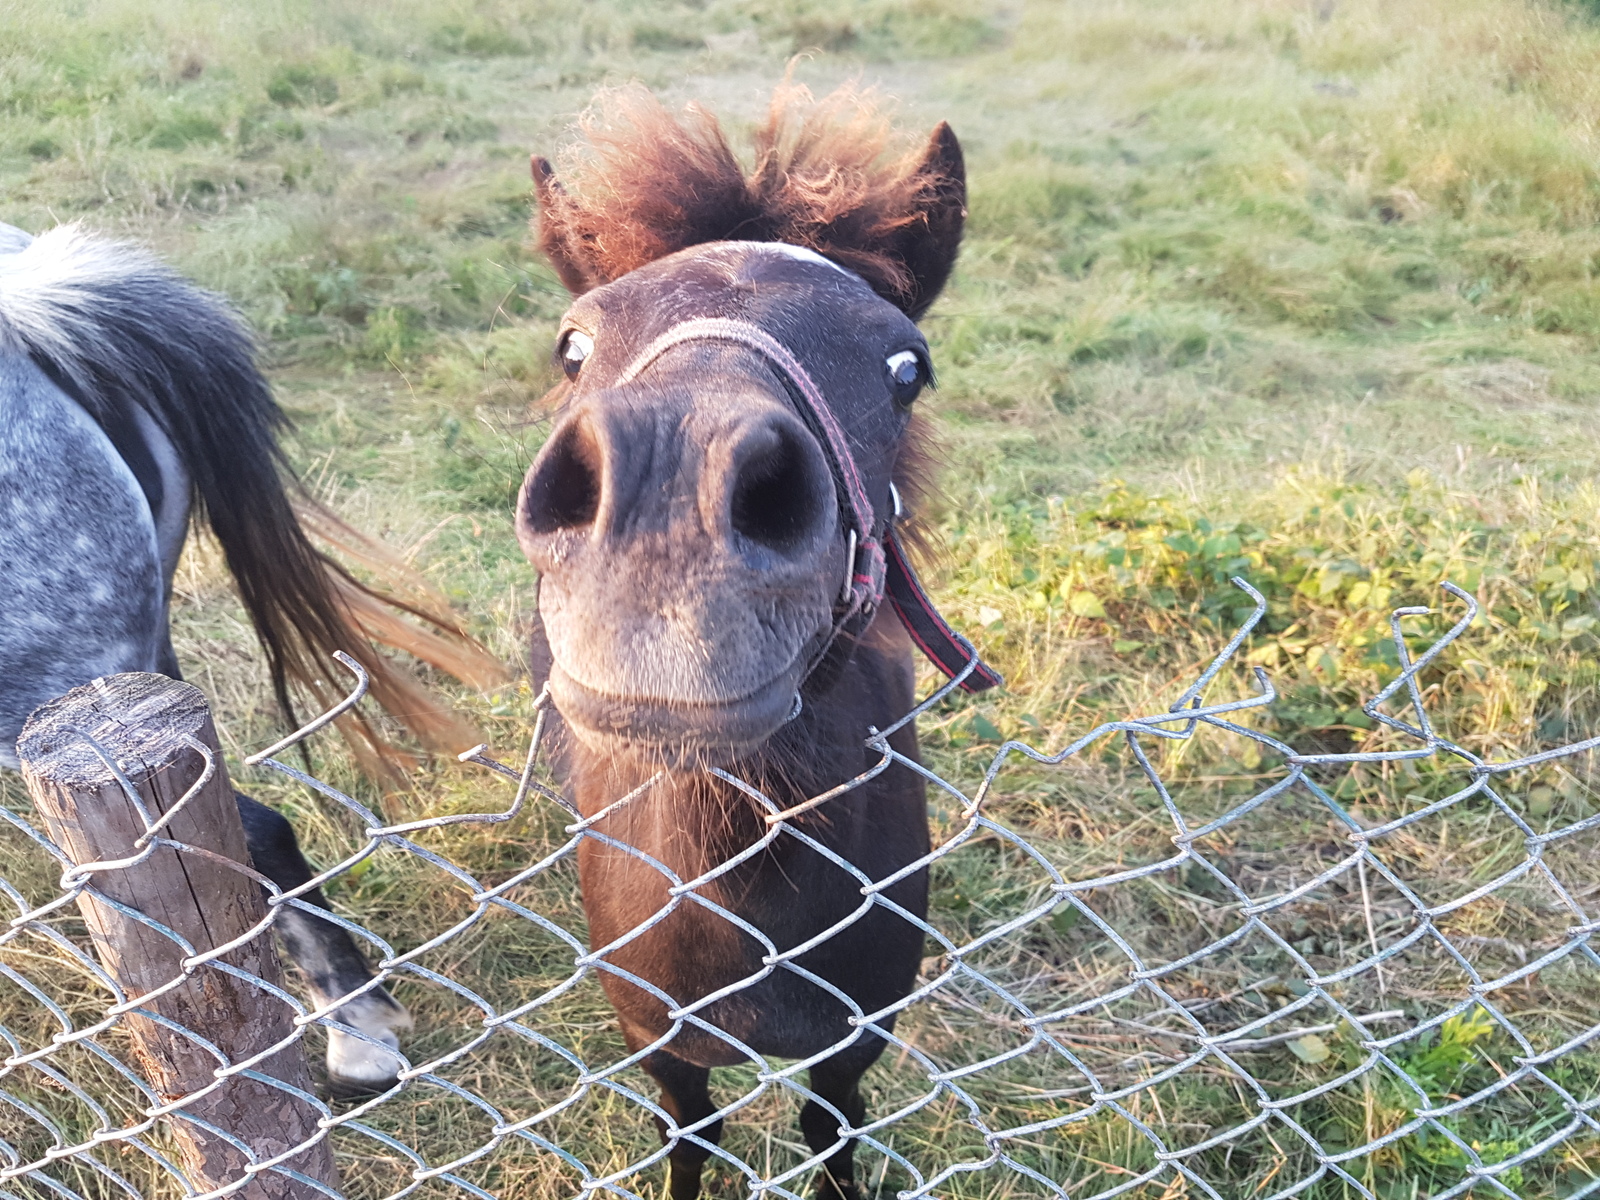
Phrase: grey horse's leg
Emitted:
{"points": [[329, 957]]}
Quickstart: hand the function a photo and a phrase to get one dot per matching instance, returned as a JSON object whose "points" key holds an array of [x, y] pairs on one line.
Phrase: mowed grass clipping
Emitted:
{"points": [[1303, 292]]}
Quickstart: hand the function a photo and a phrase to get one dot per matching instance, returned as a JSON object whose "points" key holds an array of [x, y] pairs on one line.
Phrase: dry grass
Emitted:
{"points": [[1299, 291]]}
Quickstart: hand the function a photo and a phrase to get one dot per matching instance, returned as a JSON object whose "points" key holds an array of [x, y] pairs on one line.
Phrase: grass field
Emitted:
{"points": [[1303, 290]]}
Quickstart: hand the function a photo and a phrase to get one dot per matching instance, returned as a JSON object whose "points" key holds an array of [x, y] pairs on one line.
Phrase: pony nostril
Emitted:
{"points": [[776, 501], [564, 492]]}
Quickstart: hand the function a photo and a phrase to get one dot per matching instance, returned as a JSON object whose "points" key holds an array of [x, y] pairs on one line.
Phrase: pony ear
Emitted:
{"points": [[561, 244], [928, 244]]}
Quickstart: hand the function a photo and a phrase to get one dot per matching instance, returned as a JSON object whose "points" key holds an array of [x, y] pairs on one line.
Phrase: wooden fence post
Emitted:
{"points": [[141, 721]]}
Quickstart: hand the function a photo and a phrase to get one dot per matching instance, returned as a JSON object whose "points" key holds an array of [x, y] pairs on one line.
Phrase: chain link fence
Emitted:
{"points": [[1283, 1002]]}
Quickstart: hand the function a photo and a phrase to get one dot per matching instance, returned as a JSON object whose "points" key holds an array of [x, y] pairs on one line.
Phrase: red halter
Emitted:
{"points": [[878, 563]]}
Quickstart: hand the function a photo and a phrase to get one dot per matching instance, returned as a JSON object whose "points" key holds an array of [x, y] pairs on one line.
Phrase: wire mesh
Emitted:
{"points": [[1279, 1005]]}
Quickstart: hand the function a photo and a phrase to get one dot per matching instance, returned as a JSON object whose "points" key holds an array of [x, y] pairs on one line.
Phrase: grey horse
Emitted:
{"points": [[129, 398]]}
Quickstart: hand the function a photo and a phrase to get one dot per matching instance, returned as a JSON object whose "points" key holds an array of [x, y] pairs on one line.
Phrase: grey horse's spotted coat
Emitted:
{"points": [[108, 362], [92, 602], [87, 604]]}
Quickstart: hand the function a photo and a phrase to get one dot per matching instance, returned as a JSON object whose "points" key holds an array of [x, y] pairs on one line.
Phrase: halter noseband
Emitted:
{"points": [[877, 565]]}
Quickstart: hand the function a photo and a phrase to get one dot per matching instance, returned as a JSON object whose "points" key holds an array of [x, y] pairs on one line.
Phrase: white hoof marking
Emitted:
{"points": [[354, 1061]]}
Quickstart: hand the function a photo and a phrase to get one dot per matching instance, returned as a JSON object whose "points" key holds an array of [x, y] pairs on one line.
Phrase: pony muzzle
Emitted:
{"points": [[675, 732]]}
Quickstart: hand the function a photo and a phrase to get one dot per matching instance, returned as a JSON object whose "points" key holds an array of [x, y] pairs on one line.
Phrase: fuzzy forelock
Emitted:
{"points": [[645, 183]]}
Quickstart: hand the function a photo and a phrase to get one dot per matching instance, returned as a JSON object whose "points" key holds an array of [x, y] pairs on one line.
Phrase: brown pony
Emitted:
{"points": [[714, 524]]}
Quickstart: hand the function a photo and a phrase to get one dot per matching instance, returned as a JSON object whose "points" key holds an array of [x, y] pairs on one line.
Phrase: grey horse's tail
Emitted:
{"points": [[116, 329]]}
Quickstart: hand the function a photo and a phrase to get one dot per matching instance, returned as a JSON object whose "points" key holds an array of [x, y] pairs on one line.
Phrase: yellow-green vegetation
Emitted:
{"points": [[1073, 593], [1306, 291]]}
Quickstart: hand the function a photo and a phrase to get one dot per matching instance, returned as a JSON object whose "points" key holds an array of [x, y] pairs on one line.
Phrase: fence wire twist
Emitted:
{"points": [[1056, 1037]]}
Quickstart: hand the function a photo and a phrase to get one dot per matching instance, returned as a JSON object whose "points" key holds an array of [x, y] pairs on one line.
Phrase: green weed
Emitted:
{"points": [[1305, 293]]}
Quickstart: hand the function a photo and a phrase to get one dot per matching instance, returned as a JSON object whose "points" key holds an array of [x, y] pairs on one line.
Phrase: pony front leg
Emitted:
{"points": [[686, 1096], [835, 1080], [332, 962]]}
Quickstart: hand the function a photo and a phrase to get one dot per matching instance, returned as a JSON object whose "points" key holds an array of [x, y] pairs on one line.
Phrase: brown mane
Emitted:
{"points": [[646, 183]]}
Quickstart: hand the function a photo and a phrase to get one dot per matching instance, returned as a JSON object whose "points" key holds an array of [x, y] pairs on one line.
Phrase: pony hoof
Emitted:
{"points": [[829, 1188]]}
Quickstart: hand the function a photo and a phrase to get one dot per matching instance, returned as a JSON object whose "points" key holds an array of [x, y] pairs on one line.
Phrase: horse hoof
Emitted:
{"points": [[356, 1089], [357, 1068]]}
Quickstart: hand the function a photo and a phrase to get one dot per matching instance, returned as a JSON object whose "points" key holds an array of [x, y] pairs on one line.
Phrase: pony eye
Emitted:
{"points": [[908, 372], [575, 348]]}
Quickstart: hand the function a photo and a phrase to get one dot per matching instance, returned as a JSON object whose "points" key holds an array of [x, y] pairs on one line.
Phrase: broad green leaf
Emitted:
{"points": [[1310, 1049], [986, 729], [1086, 604]]}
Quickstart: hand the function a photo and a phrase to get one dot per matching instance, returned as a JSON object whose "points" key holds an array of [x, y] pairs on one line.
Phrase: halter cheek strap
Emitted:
{"points": [[877, 563]]}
